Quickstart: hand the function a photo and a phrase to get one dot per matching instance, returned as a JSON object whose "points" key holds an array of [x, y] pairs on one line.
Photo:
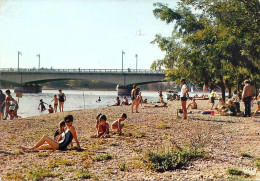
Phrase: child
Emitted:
{"points": [[117, 124], [103, 128], [98, 121], [56, 100], [50, 109], [42, 105], [58, 132], [193, 105]]}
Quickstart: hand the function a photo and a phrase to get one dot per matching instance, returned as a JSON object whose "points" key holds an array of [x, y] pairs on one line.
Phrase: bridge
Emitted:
{"points": [[125, 77]]}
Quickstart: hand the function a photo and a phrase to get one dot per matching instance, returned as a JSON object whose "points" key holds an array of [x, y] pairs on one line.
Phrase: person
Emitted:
{"points": [[140, 98], [43, 108], [125, 102], [247, 97], [67, 136], [13, 108], [51, 110], [117, 124], [212, 98], [145, 101], [2, 99], [160, 94], [184, 91], [258, 105], [220, 104], [62, 99], [99, 100], [98, 120], [117, 102], [103, 128], [59, 131], [193, 105], [7, 103], [134, 99], [56, 100]]}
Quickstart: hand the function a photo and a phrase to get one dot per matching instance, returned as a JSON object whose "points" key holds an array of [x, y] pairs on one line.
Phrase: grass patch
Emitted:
{"points": [[39, 173], [162, 126], [138, 149], [60, 161], [123, 166], [18, 152], [82, 174], [139, 135], [113, 144], [235, 173], [246, 155], [44, 154], [102, 157], [14, 176], [257, 163]]}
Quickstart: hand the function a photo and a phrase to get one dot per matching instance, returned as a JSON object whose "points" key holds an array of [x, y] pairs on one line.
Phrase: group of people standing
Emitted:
{"points": [[8, 105]]}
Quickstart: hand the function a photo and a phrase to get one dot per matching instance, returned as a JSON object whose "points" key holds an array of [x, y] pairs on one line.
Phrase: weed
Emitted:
{"points": [[233, 171], [139, 134], [82, 174], [123, 166], [18, 152], [246, 155], [162, 126], [39, 173], [137, 164], [102, 157], [138, 149], [113, 144], [60, 161], [43, 154], [257, 163], [14, 176]]}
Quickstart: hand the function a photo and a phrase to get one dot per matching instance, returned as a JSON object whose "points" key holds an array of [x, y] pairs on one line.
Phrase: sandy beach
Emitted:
{"points": [[229, 142]]}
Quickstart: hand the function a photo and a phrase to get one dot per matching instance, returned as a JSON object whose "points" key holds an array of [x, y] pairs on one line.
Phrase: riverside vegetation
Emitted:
{"points": [[155, 145]]}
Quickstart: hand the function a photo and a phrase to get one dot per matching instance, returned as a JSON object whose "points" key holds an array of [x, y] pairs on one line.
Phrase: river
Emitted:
{"points": [[28, 104]]}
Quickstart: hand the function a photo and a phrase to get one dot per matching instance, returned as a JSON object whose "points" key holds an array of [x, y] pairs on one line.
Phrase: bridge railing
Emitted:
{"points": [[25, 70]]}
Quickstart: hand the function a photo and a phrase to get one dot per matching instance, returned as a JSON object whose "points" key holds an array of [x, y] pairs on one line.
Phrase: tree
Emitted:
{"points": [[207, 45]]}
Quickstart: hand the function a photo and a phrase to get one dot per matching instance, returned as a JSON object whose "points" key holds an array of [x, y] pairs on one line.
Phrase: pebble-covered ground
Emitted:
{"points": [[230, 143]]}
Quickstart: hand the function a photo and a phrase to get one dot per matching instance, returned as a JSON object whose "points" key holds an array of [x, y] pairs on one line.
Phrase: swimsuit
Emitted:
{"points": [[61, 97], [67, 140], [56, 133], [258, 102], [132, 95]]}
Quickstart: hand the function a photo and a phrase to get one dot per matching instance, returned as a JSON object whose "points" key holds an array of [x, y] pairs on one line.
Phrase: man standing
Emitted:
{"points": [[246, 98], [2, 99], [184, 91]]}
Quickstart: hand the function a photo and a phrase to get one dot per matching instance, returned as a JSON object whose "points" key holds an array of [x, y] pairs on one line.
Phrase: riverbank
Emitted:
{"points": [[230, 142]]}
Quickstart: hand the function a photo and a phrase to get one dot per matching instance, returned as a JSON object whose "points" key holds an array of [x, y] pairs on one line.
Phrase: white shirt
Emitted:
{"points": [[184, 89]]}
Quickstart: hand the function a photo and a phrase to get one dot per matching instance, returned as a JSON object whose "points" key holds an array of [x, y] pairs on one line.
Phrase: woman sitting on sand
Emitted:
{"points": [[69, 134]]}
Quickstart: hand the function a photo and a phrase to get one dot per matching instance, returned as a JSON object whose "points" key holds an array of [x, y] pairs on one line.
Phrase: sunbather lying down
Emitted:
{"points": [[67, 136]]}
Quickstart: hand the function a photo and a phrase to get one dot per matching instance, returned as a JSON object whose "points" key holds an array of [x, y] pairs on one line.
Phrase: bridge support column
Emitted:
{"points": [[124, 90], [28, 89]]}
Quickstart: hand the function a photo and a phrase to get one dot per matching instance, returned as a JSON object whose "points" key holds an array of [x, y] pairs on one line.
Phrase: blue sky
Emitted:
{"points": [[86, 34]]}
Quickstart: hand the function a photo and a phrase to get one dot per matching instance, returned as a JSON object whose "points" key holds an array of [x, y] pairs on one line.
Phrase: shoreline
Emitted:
{"points": [[152, 128]]}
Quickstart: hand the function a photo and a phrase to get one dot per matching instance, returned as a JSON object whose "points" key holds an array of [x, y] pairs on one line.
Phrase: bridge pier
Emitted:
{"points": [[28, 89], [125, 90]]}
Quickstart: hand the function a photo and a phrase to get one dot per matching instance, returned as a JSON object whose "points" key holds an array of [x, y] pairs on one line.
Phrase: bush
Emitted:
{"points": [[233, 171]]}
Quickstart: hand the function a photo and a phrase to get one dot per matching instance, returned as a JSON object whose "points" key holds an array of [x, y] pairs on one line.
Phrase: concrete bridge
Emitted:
{"points": [[125, 77]]}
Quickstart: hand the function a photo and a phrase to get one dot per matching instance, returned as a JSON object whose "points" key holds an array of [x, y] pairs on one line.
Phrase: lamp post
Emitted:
{"points": [[39, 60], [136, 57], [19, 53], [123, 60]]}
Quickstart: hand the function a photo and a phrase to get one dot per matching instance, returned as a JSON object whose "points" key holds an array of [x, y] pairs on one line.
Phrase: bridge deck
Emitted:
{"points": [[132, 71]]}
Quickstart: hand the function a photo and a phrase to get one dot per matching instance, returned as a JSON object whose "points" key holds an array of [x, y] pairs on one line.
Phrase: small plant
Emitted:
{"points": [[233, 171], [39, 173], [18, 152], [43, 154], [139, 135], [162, 126], [102, 157], [113, 144], [59, 161], [82, 174], [246, 155], [257, 163], [14, 176], [123, 166], [138, 149]]}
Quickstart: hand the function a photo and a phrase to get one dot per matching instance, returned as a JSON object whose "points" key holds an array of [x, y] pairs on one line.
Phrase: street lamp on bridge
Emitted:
{"points": [[123, 60], [39, 60], [136, 57], [19, 53]]}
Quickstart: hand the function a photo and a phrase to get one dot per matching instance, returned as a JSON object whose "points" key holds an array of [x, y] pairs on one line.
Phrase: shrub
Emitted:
{"points": [[102, 157], [233, 171]]}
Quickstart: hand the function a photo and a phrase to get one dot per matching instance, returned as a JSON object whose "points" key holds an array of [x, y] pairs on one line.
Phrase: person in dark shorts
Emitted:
{"points": [[212, 98], [247, 97], [134, 99], [2, 109], [62, 99], [184, 91], [69, 135]]}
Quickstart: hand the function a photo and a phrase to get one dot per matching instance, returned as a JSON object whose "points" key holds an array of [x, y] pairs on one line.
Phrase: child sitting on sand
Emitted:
{"points": [[51, 110], [98, 121], [103, 128], [117, 124], [58, 132], [193, 105]]}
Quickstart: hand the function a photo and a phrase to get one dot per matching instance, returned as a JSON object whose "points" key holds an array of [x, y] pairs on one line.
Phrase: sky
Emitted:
{"points": [[86, 34]]}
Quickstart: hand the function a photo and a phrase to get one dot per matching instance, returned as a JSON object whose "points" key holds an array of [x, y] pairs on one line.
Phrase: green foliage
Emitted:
{"points": [[257, 163], [102, 157], [233, 171], [162, 126], [123, 166], [39, 173], [82, 174]]}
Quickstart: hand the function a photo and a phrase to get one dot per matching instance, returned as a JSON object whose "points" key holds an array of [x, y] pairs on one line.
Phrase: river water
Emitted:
{"points": [[28, 104]]}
